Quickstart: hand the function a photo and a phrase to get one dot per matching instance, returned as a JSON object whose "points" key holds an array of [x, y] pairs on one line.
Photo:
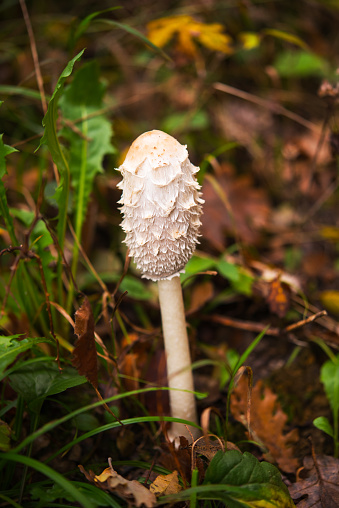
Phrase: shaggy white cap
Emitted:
{"points": [[161, 205]]}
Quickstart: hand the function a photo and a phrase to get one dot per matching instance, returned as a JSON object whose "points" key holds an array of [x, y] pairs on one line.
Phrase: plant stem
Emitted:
{"points": [[178, 356]]}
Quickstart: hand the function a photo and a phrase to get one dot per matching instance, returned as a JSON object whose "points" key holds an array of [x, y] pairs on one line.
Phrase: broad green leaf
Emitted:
{"points": [[323, 424], [88, 132], [4, 151], [228, 270], [248, 482], [300, 63], [136, 288], [10, 348], [198, 264], [37, 381], [329, 376]]}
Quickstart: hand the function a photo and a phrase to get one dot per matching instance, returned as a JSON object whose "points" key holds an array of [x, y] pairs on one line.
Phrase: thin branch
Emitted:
{"points": [[34, 55], [267, 104]]}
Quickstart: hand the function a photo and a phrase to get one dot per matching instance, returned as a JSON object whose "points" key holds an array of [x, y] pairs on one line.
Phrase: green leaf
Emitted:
{"points": [[228, 270], [329, 376], [5, 436], [137, 34], [88, 133], [63, 482], [323, 424], [198, 264], [4, 151], [248, 482], [37, 381], [299, 64], [286, 36], [136, 288], [50, 138], [10, 348], [84, 23]]}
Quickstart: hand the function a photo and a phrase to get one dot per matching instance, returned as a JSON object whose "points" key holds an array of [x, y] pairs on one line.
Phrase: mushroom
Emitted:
{"points": [[162, 201]]}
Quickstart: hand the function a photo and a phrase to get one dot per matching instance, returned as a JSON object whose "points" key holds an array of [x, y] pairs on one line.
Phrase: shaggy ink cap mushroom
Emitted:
{"points": [[161, 201]]}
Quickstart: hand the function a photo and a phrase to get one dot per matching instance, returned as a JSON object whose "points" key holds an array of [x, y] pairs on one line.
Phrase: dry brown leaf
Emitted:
{"points": [[166, 484], [278, 297], [317, 491], [267, 423], [201, 294], [133, 492], [85, 353], [246, 213]]}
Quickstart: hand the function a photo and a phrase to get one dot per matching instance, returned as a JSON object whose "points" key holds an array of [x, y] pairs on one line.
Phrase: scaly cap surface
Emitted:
{"points": [[161, 201]]}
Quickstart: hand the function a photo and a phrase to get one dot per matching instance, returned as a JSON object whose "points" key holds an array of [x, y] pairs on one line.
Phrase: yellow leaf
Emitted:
{"points": [[188, 32], [330, 300], [330, 233], [161, 30], [249, 40], [166, 484], [212, 37]]}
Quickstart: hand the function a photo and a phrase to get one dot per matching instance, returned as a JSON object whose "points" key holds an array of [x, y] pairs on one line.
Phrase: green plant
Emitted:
{"points": [[329, 375]]}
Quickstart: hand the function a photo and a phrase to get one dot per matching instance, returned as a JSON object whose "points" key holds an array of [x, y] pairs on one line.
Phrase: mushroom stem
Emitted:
{"points": [[178, 357]]}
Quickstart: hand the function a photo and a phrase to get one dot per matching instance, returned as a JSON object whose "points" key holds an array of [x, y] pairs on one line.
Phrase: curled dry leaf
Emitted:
{"points": [[268, 423], [166, 484], [85, 353], [133, 492]]}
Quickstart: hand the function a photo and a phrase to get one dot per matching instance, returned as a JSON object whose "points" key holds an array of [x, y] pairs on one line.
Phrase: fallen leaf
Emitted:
{"points": [[242, 214], [133, 492], [317, 491], [188, 31], [166, 484], [278, 297], [330, 300], [201, 294], [268, 423], [85, 353]]}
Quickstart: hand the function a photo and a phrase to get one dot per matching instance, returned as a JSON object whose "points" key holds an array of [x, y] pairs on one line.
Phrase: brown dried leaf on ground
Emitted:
{"points": [[166, 484], [317, 489], [234, 207], [267, 423], [85, 353], [133, 492]]}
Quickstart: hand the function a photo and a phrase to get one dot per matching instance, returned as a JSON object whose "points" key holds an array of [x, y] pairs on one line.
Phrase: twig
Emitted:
{"points": [[267, 104], [259, 327], [34, 55]]}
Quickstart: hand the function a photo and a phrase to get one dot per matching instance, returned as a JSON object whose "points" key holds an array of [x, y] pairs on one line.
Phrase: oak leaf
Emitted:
{"points": [[85, 353], [268, 423], [133, 492], [188, 31]]}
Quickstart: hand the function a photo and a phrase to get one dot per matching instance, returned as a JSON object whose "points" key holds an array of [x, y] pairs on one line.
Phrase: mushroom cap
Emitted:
{"points": [[161, 201]]}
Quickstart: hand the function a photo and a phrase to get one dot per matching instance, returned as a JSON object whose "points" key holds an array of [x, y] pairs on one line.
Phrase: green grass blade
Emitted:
{"points": [[50, 473]]}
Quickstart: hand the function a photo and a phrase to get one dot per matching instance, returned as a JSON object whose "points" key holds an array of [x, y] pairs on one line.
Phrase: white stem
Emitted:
{"points": [[178, 356]]}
